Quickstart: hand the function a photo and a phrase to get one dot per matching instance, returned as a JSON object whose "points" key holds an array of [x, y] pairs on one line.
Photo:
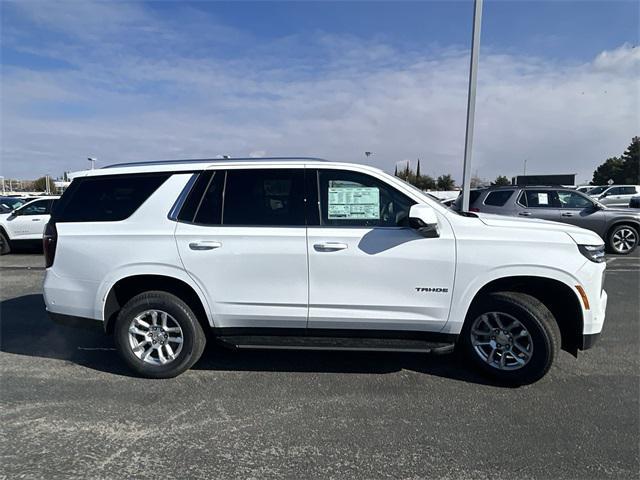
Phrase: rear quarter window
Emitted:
{"points": [[498, 198], [106, 199]]}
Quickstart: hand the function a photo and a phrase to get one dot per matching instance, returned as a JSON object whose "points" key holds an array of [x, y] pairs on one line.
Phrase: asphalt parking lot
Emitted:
{"points": [[70, 408]]}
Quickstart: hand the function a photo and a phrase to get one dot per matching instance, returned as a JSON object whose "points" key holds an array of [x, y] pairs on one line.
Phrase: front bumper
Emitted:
{"points": [[589, 341]]}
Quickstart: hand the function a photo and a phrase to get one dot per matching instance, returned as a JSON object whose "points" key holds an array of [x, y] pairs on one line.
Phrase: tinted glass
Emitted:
{"points": [[597, 190], [355, 199], [192, 202], [473, 196], [540, 199], [573, 200], [498, 198], [628, 190], [106, 199], [264, 197], [614, 191], [39, 207], [210, 211]]}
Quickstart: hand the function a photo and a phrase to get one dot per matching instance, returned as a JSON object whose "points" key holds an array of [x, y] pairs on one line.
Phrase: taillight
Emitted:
{"points": [[49, 241], [474, 209]]}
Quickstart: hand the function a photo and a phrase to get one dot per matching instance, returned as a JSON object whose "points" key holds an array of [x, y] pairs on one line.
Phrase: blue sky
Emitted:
{"points": [[129, 81]]}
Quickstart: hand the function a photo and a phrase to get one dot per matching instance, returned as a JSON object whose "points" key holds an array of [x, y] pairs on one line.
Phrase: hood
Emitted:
{"points": [[579, 235], [630, 212]]}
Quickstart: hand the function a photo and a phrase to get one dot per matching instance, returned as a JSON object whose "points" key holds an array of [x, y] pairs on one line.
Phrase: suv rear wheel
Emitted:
{"points": [[623, 239], [512, 337], [158, 335]]}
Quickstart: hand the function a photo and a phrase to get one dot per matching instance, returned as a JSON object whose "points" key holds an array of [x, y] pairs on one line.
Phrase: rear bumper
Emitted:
{"points": [[76, 322]]}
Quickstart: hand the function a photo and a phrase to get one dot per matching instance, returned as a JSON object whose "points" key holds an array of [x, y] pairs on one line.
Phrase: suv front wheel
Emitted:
{"points": [[158, 335], [511, 336]]}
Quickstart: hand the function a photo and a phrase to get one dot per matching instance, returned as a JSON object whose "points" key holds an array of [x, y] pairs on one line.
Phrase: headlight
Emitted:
{"points": [[595, 253]]}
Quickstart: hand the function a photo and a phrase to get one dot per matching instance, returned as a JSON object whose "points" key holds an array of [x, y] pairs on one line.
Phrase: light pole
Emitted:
{"points": [[471, 103], [93, 162]]}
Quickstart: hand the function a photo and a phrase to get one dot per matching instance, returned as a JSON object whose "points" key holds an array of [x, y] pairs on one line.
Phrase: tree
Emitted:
{"points": [[395, 172], [445, 182], [476, 182], [40, 185], [630, 171], [623, 169], [418, 171], [501, 181]]}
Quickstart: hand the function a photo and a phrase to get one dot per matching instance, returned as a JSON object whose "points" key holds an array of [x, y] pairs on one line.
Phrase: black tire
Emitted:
{"points": [[629, 232], [5, 244], [193, 336], [538, 321]]}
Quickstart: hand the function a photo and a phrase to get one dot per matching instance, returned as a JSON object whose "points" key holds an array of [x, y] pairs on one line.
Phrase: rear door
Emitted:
{"points": [[244, 243], [538, 203], [367, 268]]}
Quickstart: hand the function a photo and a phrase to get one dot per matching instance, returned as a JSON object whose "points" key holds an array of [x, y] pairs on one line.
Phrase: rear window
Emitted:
{"points": [[106, 199], [498, 198], [473, 196]]}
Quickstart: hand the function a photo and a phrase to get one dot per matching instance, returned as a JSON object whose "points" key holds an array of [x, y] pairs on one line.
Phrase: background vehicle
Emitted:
{"points": [[309, 254], [25, 223], [634, 202], [617, 195], [619, 227], [9, 204], [584, 188]]}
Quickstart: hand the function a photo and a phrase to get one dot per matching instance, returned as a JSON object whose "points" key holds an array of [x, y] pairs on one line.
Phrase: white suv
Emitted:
{"points": [[309, 254], [25, 223], [616, 195]]}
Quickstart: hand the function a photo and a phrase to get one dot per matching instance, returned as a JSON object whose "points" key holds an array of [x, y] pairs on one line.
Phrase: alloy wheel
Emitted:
{"points": [[155, 337], [501, 341], [624, 240]]}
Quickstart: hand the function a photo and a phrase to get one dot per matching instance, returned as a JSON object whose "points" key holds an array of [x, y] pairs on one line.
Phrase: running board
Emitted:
{"points": [[335, 343]]}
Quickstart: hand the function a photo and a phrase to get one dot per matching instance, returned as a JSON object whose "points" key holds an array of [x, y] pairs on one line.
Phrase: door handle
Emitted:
{"points": [[205, 245], [329, 246], [36, 219], [567, 214], [525, 214]]}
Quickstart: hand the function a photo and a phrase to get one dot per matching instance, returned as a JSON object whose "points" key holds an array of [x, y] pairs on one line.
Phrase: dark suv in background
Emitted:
{"points": [[618, 227]]}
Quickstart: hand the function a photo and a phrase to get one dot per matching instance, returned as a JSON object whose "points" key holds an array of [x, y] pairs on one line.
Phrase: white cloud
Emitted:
{"points": [[334, 97]]}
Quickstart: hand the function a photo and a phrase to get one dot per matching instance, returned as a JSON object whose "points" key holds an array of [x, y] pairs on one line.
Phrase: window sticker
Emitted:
{"points": [[361, 203], [543, 199]]}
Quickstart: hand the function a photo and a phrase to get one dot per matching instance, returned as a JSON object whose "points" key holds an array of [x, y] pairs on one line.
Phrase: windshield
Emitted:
{"points": [[8, 204], [597, 190]]}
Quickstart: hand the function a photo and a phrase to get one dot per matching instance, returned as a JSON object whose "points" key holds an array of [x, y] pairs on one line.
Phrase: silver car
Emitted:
{"points": [[615, 195], [618, 227]]}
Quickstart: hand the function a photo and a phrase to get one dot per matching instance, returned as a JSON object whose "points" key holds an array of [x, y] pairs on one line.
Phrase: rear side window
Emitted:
{"points": [[264, 197], [473, 196], [106, 199], [540, 199], [498, 198]]}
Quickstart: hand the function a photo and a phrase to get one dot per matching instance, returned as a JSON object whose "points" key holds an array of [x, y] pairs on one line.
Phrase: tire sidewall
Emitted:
{"points": [[5, 245], [612, 249], [191, 331], [543, 348]]}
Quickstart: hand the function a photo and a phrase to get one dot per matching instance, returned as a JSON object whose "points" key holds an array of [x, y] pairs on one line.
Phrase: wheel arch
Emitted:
{"points": [[561, 299], [129, 286]]}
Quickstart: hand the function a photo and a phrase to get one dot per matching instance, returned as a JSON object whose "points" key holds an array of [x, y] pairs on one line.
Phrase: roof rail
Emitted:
{"points": [[210, 160]]}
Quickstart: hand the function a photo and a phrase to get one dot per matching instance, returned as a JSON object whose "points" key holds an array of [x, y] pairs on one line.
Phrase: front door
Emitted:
{"points": [[578, 209], [27, 222], [367, 268], [245, 244]]}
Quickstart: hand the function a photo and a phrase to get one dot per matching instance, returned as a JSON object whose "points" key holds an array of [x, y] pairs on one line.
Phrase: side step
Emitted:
{"points": [[335, 343]]}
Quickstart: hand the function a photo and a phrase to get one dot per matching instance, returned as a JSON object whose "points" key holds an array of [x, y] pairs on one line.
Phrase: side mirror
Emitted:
{"points": [[424, 219]]}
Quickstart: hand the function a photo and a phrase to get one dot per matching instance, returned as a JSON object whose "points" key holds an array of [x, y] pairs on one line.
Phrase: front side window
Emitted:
{"points": [[573, 200], [540, 199], [40, 207], [498, 198], [269, 197], [358, 200]]}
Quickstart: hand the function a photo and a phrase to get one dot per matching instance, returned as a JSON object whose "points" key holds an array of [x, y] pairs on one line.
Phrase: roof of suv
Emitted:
{"points": [[202, 164]]}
